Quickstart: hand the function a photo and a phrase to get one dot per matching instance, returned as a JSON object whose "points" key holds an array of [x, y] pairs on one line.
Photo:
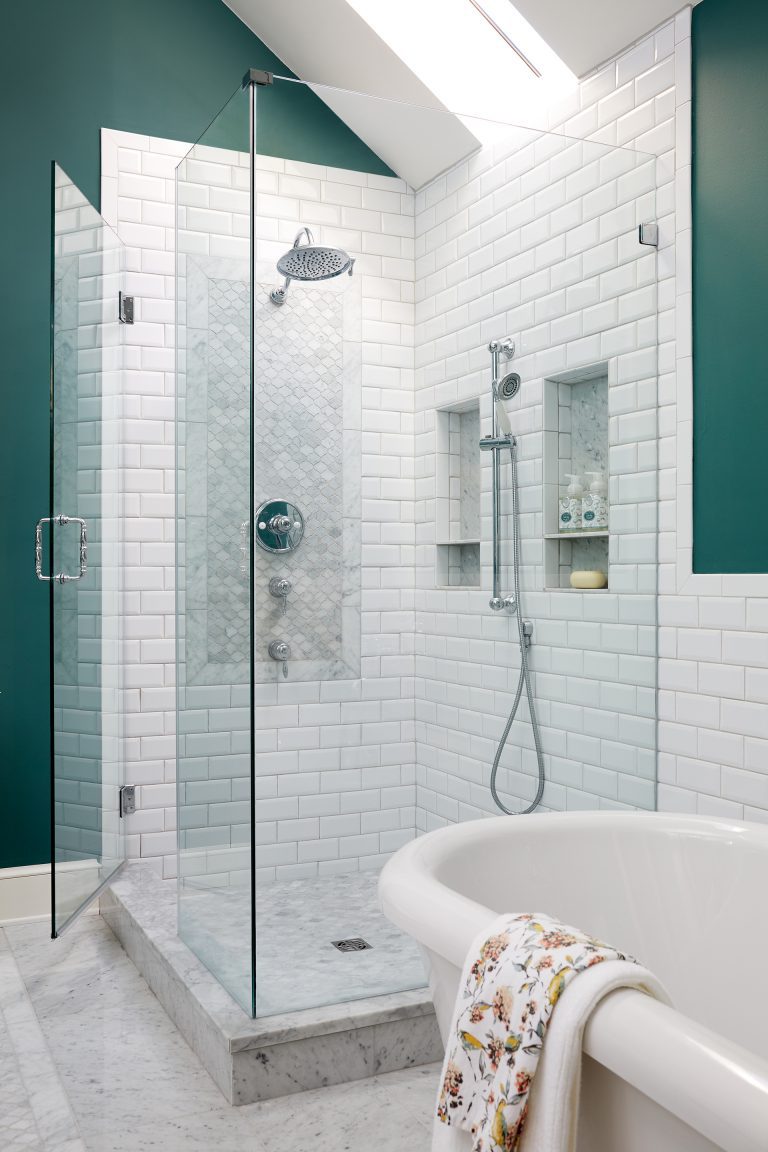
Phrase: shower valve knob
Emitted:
{"points": [[280, 587], [280, 650], [280, 524]]}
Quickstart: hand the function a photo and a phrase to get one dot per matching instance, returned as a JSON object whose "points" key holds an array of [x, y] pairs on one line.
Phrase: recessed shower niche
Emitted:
{"points": [[457, 495], [575, 444]]}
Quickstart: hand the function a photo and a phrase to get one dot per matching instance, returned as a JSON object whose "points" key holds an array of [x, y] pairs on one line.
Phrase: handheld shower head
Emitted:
{"points": [[309, 261], [508, 386], [505, 389]]}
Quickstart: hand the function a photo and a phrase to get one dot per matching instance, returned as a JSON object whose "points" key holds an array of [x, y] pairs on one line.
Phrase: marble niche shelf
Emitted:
{"points": [[575, 442], [580, 535], [457, 495]]}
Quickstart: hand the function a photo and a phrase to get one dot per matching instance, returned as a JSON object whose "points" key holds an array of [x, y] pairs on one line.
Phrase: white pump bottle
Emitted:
{"points": [[569, 508]]}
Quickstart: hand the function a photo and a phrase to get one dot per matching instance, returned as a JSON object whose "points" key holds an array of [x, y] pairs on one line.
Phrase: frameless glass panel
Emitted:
{"points": [[380, 714], [214, 548], [84, 557]]}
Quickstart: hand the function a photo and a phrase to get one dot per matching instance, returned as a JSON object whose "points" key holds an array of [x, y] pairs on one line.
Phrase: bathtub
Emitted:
{"points": [[686, 895]]}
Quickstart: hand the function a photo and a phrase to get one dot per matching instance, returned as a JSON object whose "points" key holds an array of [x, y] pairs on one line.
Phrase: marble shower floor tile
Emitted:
{"points": [[135, 1086], [297, 966]]}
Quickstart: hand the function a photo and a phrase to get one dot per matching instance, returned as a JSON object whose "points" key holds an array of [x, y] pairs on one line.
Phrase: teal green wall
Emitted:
{"points": [[730, 284], [68, 68]]}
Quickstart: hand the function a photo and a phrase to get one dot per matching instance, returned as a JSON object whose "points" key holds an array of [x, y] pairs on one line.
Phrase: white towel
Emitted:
{"points": [[553, 1098], [554, 1110]]}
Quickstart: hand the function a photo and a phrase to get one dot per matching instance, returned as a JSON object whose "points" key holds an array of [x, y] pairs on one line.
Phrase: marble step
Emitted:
{"points": [[259, 1059]]}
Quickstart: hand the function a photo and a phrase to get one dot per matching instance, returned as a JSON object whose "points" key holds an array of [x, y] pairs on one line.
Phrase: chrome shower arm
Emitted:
{"points": [[278, 295]]}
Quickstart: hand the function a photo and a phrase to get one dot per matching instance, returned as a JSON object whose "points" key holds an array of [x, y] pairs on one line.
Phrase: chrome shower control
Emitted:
{"points": [[280, 588], [528, 632], [279, 526], [499, 603], [280, 650]]}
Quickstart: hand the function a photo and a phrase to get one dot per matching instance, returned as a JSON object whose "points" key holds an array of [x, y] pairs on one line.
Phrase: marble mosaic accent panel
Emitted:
{"points": [[217, 470], [303, 365]]}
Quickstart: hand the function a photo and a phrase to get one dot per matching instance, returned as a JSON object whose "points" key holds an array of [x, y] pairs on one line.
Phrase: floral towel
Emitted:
{"points": [[508, 993]]}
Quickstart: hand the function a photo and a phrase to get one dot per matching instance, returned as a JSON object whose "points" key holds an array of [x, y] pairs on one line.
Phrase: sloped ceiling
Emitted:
{"points": [[328, 42], [586, 33]]}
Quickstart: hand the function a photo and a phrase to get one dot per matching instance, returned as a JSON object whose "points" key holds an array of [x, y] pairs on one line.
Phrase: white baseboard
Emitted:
{"points": [[25, 893]]}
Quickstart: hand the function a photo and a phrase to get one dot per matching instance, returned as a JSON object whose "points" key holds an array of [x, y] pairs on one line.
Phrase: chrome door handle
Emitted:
{"points": [[61, 577]]}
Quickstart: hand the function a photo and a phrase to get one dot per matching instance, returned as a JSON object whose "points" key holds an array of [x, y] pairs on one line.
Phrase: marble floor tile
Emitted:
{"points": [[117, 1053], [389, 1113], [35, 1114], [135, 1086]]}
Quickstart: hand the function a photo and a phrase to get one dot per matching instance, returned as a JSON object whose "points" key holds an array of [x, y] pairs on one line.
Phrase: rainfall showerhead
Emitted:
{"points": [[309, 261], [508, 386]]}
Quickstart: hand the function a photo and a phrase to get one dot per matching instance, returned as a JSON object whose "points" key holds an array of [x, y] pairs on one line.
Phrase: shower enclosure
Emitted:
{"points": [[78, 553], [342, 682]]}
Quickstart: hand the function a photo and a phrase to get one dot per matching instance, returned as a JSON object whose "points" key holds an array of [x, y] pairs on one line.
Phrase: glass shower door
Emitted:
{"points": [[213, 549], [78, 552]]}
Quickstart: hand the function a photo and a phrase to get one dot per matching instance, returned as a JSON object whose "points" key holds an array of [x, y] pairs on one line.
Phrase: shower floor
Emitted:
{"points": [[297, 966], [325, 1017]]}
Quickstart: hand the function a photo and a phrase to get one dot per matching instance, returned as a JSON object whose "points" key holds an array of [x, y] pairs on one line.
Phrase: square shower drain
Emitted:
{"points": [[352, 944]]}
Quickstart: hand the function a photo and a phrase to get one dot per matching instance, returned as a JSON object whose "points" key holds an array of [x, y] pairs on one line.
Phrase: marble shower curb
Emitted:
{"points": [[252, 1060]]}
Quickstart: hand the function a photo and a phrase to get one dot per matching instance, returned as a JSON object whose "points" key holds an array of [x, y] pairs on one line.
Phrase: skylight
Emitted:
{"points": [[479, 57]]}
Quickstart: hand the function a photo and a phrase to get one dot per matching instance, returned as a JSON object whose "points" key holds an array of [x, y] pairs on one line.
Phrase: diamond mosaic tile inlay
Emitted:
{"points": [[298, 456]]}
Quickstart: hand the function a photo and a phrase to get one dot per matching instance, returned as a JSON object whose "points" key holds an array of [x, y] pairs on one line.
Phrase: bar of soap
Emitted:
{"points": [[589, 580]]}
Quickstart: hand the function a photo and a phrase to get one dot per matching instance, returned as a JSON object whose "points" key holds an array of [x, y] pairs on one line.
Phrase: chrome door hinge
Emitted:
{"points": [[648, 234], [125, 308], [258, 76], [127, 800]]}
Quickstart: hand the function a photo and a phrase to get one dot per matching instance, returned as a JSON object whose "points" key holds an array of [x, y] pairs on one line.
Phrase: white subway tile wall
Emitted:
{"points": [[538, 240], [713, 639], [541, 253]]}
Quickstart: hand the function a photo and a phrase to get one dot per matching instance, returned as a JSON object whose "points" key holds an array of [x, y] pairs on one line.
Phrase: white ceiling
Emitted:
{"points": [[329, 43], [585, 33]]}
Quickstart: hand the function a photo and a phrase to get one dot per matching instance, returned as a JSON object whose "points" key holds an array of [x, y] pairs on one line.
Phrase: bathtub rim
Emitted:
{"points": [[680, 1064]]}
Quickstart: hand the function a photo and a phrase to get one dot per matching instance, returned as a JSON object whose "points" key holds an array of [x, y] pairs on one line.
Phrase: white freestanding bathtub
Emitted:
{"points": [[688, 896]]}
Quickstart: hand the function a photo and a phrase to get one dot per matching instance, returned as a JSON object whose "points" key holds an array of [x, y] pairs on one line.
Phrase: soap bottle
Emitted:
{"points": [[595, 504], [569, 510]]}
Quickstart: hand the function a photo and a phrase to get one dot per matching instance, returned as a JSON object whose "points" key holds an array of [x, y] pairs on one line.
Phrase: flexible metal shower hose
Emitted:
{"points": [[524, 680]]}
